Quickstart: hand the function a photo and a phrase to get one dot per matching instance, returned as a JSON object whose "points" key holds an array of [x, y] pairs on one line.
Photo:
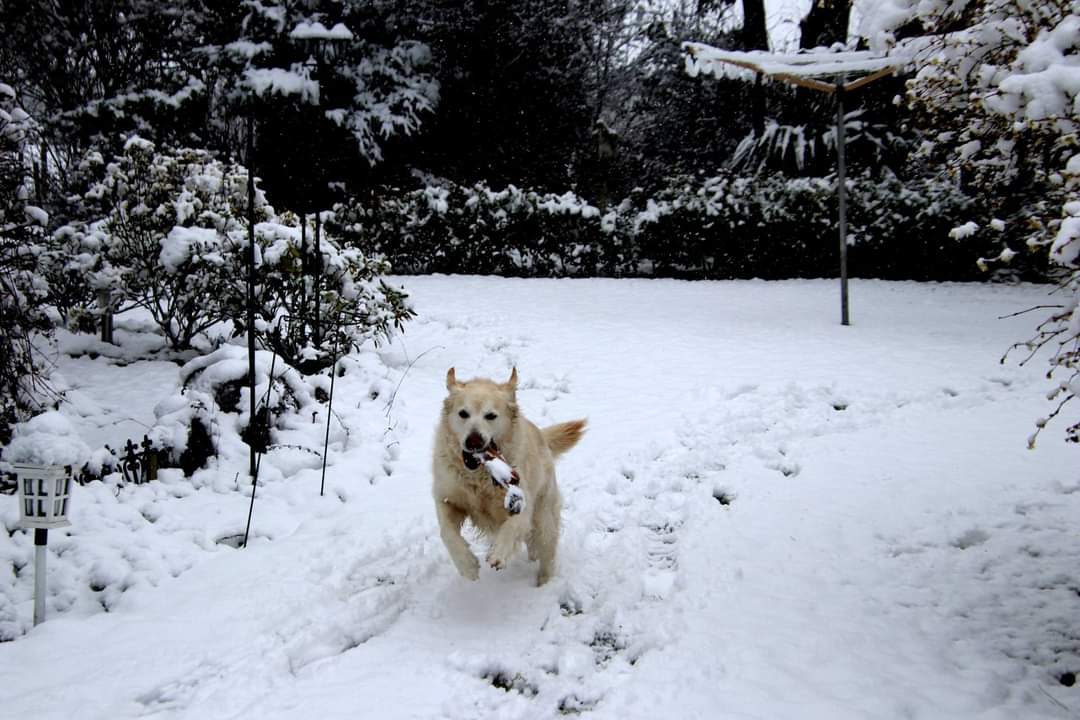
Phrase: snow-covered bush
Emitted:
{"points": [[354, 305], [475, 229], [210, 411], [173, 239], [47, 439], [726, 226], [23, 388], [999, 84], [172, 236]]}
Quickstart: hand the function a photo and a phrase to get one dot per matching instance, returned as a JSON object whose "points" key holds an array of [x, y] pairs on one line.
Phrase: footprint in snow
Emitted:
{"points": [[362, 605], [970, 538]]}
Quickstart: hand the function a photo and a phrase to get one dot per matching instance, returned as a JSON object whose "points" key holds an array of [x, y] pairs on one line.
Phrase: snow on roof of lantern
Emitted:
{"points": [[799, 68]]}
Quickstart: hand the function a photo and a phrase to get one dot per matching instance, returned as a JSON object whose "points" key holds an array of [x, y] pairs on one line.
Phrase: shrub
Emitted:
{"points": [[727, 226], [173, 238], [23, 377]]}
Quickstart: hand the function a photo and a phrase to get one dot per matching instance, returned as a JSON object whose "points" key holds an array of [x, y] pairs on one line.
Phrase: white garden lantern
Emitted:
{"points": [[44, 493]]}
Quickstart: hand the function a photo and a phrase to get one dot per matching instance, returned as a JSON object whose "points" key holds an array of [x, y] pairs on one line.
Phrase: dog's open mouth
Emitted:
{"points": [[469, 458], [475, 458]]}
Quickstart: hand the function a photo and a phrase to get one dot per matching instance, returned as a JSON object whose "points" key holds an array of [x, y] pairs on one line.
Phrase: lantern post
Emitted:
{"points": [[44, 495]]}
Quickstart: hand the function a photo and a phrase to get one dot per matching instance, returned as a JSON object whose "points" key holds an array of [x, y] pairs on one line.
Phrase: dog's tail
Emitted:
{"points": [[562, 437]]}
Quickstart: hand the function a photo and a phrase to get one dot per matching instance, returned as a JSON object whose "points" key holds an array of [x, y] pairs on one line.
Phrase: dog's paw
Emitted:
{"points": [[468, 567], [497, 560]]}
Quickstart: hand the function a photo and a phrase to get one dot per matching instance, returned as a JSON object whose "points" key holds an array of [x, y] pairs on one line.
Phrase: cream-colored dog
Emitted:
{"points": [[476, 416]]}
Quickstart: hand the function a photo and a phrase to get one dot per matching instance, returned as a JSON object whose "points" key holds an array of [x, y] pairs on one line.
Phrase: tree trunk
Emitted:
{"points": [[755, 36], [825, 24]]}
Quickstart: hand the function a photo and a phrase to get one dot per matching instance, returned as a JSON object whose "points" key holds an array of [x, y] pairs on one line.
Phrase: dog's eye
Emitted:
{"points": [[490, 417], [464, 414]]}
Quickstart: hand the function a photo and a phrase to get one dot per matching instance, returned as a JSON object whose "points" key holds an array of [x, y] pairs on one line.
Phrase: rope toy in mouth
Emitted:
{"points": [[505, 476]]}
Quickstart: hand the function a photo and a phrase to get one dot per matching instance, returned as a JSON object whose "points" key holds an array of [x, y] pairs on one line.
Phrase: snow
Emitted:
{"points": [[246, 49], [964, 231], [318, 31], [37, 215], [1065, 250], [1049, 81], [737, 64], [178, 246], [500, 470], [772, 516], [48, 439], [296, 81], [879, 18]]}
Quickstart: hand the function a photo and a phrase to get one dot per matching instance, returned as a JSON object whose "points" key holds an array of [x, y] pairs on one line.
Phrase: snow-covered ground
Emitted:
{"points": [[771, 516]]}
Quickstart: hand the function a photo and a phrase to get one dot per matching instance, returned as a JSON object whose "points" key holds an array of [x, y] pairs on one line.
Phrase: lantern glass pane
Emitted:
{"points": [[57, 504], [40, 508], [67, 485], [28, 487], [41, 487], [28, 508], [63, 508], [59, 486]]}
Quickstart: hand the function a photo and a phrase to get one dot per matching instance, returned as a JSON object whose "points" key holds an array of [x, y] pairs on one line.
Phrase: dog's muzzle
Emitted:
{"points": [[475, 447]]}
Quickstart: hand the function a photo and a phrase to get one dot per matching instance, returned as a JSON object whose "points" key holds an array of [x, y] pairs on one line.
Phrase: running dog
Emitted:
{"points": [[481, 416]]}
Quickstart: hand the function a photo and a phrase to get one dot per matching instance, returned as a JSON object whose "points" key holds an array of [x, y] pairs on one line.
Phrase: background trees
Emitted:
{"points": [[380, 118]]}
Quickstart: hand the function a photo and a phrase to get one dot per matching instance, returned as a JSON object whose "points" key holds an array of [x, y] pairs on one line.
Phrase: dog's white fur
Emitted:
{"points": [[489, 410]]}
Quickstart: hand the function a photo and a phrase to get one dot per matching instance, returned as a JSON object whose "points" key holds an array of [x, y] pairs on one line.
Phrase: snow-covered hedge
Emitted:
{"points": [[452, 228], [727, 226]]}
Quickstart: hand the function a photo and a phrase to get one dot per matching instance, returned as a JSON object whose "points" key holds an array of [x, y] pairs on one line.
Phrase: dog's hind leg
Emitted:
{"points": [[450, 521]]}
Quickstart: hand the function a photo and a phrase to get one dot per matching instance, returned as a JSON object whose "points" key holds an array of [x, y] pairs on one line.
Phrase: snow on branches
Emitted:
{"points": [[173, 239], [350, 73], [23, 386], [1000, 80]]}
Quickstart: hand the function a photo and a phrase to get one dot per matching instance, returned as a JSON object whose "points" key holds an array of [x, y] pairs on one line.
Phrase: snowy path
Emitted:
{"points": [[771, 516]]}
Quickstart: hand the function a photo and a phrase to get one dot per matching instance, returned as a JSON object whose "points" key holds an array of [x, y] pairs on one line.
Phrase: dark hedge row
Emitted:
{"points": [[723, 227]]}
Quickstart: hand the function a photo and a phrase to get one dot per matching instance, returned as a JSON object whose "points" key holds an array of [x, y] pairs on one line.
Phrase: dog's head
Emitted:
{"points": [[479, 413]]}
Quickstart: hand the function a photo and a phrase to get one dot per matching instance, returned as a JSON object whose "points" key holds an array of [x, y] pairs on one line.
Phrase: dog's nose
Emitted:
{"points": [[474, 442]]}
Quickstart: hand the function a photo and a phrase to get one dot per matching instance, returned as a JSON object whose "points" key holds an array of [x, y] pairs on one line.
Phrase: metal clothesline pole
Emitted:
{"points": [[798, 70], [841, 200]]}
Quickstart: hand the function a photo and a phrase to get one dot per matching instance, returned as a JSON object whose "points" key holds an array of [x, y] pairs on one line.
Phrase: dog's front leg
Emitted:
{"points": [[512, 532], [450, 520]]}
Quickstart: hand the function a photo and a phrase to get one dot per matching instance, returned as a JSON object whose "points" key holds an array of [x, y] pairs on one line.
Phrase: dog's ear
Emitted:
{"points": [[511, 384], [451, 379]]}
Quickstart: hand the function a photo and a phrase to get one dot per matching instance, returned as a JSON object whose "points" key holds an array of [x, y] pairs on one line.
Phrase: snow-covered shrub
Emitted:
{"points": [[998, 82], [478, 230], [47, 439], [797, 147], [23, 317], [354, 306], [210, 411], [902, 229], [68, 262], [172, 236], [727, 226]]}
